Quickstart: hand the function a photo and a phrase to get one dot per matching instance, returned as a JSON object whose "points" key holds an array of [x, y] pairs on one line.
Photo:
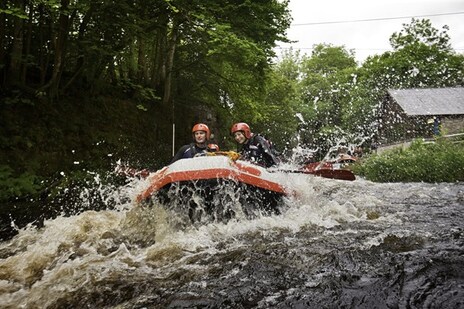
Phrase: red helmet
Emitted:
{"points": [[213, 147], [202, 127], [241, 126]]}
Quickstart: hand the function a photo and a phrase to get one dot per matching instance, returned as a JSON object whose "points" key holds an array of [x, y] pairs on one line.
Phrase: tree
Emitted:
{"points": [[338, 99], [326, 77], [422, 58], [223, 57], [278, 116], [421, 32], [182, 61]]}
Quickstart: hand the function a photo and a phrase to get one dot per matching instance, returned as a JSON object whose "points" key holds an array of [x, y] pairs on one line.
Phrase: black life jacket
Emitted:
{"points": [[260, 151], [193, 150]]}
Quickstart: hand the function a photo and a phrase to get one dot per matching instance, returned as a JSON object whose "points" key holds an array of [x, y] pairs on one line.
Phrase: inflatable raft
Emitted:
{"points": [[215, 188]]}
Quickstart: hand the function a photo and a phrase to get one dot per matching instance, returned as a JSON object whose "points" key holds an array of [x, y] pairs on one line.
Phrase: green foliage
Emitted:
{"points": [[232, 44], [278, 119], [442, 161], [138, 92], [12, 186], [142, 108], [422, 58], [421, 32], [327, 59], [326, 82], [153, 55], [16, 98], [16, 12], [187, 54]]}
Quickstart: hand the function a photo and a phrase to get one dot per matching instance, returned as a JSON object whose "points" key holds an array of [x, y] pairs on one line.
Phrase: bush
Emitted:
{"points": [[12, 186], [441, 161]]}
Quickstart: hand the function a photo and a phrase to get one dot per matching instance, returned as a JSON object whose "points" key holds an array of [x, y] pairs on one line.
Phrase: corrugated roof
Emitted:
{"points": [[430, 101]]}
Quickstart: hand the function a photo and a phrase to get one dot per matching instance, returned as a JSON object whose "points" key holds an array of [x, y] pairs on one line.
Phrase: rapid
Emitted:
{"points": [[336, 244]]}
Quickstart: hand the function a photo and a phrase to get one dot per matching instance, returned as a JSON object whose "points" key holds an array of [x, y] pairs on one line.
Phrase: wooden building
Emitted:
{"points": [[414, 113]]}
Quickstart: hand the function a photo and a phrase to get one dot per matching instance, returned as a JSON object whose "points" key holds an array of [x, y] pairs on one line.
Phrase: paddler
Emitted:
{"points": [[254, 147], [201, 135]]}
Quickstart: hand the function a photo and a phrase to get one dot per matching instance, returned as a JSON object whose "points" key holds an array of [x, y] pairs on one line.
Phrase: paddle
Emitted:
{"points": [[325, 173], [333, 174]]}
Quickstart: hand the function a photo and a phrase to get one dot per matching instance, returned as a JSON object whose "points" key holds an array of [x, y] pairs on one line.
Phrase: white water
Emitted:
{"points": [[90, 254]]}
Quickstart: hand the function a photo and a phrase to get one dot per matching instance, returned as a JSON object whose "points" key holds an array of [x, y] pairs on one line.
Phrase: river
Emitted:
{"points": [[336, 244]]}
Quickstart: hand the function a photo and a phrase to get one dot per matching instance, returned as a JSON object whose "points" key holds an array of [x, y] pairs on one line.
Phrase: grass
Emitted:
{"points": [[441, 161]]}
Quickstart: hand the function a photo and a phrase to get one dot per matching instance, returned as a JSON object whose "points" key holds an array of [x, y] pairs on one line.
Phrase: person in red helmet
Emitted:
{"points": [[201, 136], [254, 147]]}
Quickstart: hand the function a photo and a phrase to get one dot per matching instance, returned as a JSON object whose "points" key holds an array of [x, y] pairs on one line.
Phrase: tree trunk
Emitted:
{"points": [[3, 43], [141, 61], [132, 66], [17, 48], [43, 55], [170, 61], [63, 28], [159, 73], [27, 48], [81, 55]]}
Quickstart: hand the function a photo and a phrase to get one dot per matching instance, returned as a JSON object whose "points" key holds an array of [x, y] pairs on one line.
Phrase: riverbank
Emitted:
{"points": [[439, 161]]}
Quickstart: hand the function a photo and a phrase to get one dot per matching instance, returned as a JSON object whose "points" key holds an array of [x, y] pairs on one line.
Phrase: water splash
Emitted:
{"points": [[331, 235]]}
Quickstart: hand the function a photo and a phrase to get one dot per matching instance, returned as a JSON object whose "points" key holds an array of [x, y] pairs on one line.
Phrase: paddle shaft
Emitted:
{"points": [[326, 173]]}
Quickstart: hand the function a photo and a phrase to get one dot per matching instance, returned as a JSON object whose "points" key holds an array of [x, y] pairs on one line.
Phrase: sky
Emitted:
{"points": [[332, 22]]}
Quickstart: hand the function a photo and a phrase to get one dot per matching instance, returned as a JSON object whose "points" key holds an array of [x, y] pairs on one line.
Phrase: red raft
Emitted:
{"points": [[214, 187]]}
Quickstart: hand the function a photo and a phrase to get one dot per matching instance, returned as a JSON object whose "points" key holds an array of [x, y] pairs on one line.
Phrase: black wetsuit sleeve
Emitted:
{"points": [[180, 153], [267, 154]]}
